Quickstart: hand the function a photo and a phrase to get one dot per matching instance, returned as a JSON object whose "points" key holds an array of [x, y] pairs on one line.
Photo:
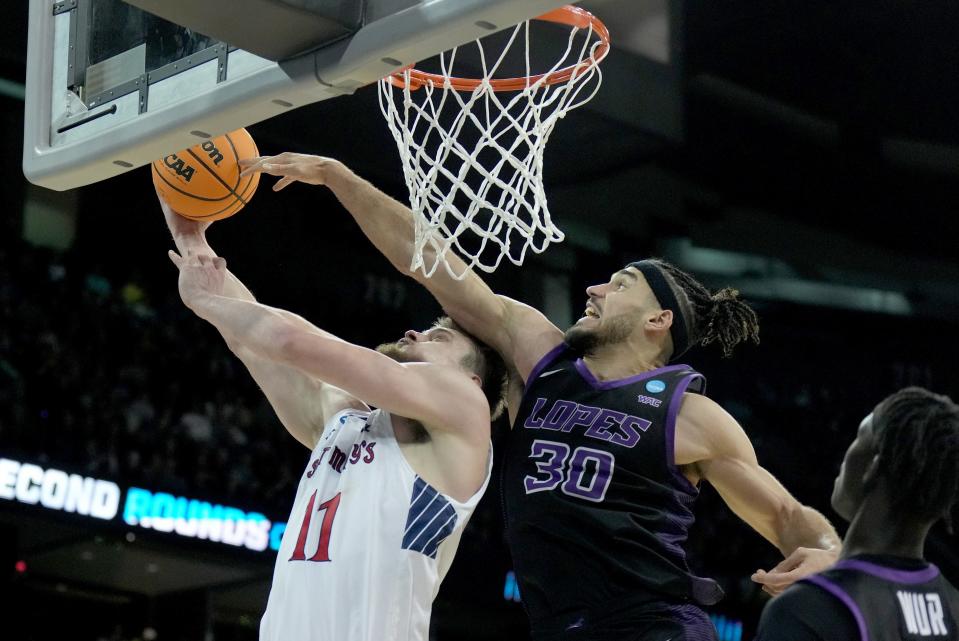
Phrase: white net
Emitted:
{"points": [[473, 160]]}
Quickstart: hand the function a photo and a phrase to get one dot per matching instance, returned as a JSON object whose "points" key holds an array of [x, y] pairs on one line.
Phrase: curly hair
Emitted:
{"points": [[719, 317], [917, 435]]}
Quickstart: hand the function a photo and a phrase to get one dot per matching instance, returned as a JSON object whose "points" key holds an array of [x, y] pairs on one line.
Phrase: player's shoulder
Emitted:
{"points": [[950, 591], [704, 431], [526, 326], [804, 593], [703, 411], [804, 612], [455, 398], [531, 336]]}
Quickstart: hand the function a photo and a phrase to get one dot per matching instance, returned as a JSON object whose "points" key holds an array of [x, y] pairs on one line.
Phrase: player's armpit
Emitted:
{"points": [[530, 337]]}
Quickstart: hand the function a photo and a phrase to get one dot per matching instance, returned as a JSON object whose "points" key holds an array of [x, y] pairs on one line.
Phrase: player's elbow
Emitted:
{"points": [[402, 262], [307, 351], [290, 343]]}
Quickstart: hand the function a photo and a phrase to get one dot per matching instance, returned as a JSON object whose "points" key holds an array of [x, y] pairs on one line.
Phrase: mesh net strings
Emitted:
{"points": [[473, 161]]}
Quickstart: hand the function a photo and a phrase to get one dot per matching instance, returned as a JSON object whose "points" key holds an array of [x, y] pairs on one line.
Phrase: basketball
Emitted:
{"points": [[203, 182]]}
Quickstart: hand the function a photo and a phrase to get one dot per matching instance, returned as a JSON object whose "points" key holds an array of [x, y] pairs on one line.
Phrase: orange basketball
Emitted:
{"points": [[203, 182]]}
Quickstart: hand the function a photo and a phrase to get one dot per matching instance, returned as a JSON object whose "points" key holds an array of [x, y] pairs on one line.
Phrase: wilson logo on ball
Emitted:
{"points": [[212, 152]]}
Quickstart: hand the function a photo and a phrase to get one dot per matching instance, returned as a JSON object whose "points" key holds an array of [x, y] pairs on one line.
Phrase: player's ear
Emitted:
{"points": [[871, 476], [663, 319]]}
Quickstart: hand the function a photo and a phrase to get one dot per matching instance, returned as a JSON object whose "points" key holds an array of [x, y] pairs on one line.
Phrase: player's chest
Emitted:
{"points": [[618, 420], [351, 447]]}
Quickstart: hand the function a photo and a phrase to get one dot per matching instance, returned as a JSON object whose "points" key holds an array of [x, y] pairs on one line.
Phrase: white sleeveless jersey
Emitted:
{"points": [[367, 544]]}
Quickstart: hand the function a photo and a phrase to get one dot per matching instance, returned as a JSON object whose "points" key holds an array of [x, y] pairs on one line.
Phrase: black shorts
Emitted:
{"points": [[658, 621]]}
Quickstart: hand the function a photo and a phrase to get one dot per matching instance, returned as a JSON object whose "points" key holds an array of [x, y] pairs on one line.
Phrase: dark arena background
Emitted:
{"points": [[805, 153]]}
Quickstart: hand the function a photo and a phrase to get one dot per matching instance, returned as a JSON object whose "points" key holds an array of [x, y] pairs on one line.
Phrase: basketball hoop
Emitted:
{"points": [[472, 148]]}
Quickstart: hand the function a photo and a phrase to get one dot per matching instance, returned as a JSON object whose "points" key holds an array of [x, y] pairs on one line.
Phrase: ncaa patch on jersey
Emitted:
{"points": [[655, 386]]}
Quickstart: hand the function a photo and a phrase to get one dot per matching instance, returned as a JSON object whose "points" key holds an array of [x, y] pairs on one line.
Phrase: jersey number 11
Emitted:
{"points": [[323, 549]]}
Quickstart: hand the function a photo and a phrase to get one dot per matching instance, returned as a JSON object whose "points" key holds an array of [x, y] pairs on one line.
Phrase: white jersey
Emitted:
{"points": [[367, 544]]}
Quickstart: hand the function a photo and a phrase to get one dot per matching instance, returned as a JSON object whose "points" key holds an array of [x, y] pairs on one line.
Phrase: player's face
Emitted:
{"points": [[439, 345], [614, 310], [849, 490]]}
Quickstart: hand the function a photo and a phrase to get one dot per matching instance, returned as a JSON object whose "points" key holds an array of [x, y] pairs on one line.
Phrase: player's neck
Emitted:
{"points": [[622, 360], [876, 529]]}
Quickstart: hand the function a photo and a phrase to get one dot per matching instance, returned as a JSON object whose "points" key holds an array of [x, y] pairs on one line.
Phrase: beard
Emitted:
{"points": [[395, 351], [586, 341]]}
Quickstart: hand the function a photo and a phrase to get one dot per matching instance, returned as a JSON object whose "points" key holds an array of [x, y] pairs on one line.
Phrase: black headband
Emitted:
{"points": [[667, 300]]}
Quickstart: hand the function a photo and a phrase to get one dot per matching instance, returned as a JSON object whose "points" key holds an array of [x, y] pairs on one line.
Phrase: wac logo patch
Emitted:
{"points": [[649, 400]]}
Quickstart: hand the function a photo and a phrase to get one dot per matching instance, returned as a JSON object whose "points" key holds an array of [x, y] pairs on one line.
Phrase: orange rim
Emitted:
{"points": [[567, 15]]}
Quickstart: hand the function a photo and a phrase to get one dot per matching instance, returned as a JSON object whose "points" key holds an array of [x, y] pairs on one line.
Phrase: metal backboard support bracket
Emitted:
{"points": [[67, 145]]}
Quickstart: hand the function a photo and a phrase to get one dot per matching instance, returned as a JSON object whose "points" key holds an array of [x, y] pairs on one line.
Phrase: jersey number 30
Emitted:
{"points": [[570, 473], [323, 549]]}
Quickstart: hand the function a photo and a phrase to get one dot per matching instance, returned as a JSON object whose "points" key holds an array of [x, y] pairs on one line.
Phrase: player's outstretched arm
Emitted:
{"points": [[520, 333], [189, 236], [714, 444], [302, 403], [443, 397]]}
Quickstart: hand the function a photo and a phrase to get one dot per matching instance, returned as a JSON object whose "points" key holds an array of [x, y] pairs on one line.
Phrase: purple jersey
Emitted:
{"points": [[596, 511]]}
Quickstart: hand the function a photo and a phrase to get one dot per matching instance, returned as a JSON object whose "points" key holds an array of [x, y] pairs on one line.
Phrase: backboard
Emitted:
{"points": [[111, 87]]}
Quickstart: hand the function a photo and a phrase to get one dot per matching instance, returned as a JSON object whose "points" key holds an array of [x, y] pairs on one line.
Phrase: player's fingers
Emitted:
{"points": [[274, 168], [779, 580], [763, 577], [771, 588], [251, 165], [175, 257], [283, 182], [791, 562], [219, 263], [203, 258], [782, 566]]}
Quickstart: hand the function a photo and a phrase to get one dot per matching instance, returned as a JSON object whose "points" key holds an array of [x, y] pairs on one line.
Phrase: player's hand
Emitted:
{"points": [[201, 276], [181, 226], [291, 168], [801, 563]]}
